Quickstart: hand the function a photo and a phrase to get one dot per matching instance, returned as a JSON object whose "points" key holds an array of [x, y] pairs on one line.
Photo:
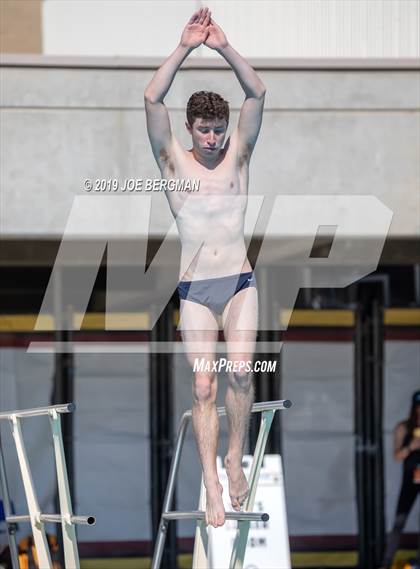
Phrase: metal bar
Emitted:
{"points": [[368, 413], [279, 416], [38, 530], [161, 535], [83, 520], [199, 515], [359, 428], [66, 408], [267, 388], [53, 518], [256, 408], [170, 488], [60, 384], [241, 539], [264, 406], [11, 527], [377, 420], [201, 541], [175, 463], [162, 429], [71, 554]]}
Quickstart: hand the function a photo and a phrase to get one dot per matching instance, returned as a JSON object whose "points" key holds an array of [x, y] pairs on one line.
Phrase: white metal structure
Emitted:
{"points": [[200, 556], [268, 545], [36, 517]]}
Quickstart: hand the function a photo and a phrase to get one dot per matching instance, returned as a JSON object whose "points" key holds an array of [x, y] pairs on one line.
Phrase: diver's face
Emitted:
{"points": [[208, 136]]}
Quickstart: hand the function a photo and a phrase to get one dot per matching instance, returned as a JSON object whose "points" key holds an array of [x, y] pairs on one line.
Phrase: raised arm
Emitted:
{"points": [[251, 112], [158, 124]]}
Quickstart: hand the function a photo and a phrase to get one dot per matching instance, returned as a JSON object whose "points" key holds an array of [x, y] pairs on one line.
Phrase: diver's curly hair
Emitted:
{"points": [[207, 105]]}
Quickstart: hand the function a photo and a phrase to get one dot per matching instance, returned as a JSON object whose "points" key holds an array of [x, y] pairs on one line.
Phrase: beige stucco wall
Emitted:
{"points": [[20, 26]]}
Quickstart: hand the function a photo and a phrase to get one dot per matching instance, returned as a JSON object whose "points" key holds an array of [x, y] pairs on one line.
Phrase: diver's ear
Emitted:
{"points": [[188, 127]]}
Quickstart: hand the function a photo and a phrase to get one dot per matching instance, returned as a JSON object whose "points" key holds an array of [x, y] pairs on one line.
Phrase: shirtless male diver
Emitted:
{"points": [[217, 284]]}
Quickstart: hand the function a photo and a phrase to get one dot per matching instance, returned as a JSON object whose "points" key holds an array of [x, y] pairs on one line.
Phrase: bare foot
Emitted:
{"points": [[215, 511], [238, 484]]}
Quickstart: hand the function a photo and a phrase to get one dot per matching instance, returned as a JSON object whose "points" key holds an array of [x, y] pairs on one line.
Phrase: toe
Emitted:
{"points": [[243, 498], [235, 503]]}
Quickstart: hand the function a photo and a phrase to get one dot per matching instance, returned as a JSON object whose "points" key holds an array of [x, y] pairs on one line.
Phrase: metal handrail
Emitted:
{"points": [[256, 408], [65, 408], [199, 515], [166, 515]]}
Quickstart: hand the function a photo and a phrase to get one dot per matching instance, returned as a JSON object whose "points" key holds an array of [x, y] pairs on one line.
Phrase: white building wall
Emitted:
{"points": [[257, 28]]}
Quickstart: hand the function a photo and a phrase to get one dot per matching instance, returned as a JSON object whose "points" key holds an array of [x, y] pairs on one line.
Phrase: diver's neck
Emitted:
{"points": [[205, 161]]}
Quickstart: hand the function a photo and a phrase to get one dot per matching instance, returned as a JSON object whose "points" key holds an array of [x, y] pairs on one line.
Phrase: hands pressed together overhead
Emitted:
{"points": [[201, 28]]}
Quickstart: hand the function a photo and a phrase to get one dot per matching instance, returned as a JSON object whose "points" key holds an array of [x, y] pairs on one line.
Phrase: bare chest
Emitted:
{"points": [[217, 186]]}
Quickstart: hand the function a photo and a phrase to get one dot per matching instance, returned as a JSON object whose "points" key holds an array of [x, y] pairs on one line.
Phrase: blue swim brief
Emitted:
{"points": [[215, 293]]}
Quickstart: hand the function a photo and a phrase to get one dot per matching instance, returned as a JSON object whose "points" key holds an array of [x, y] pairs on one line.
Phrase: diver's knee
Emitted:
{"points": [[241, 381], [203, 388]]}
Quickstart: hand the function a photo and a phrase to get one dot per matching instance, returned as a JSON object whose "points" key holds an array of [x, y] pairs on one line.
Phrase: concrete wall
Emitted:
{"points": [[324, 132]]}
